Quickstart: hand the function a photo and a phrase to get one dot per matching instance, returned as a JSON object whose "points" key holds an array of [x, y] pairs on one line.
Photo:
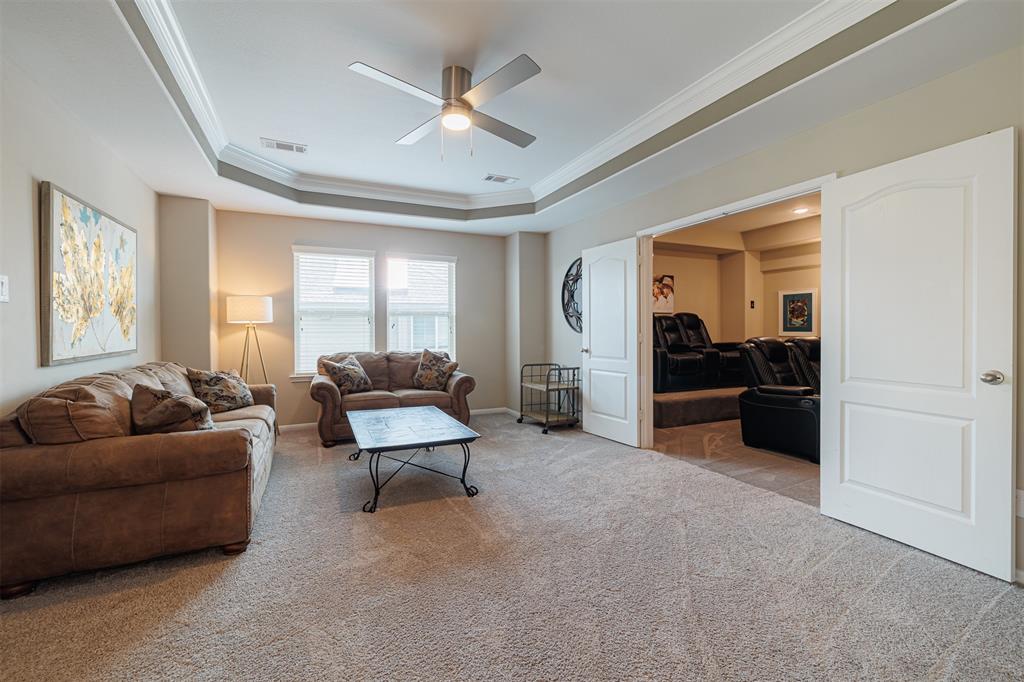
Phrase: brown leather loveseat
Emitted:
{"points": [[79, 491], [391, 374]]}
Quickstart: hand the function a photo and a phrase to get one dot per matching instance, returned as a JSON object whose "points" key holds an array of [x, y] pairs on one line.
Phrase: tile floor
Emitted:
{"points": [[718, 447]]}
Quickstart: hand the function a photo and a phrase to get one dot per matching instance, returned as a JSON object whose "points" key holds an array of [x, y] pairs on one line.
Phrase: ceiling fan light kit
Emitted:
{"points": [[459, 99]]}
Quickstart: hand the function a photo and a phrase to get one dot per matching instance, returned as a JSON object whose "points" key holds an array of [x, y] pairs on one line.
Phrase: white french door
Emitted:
{"points": [[609, 354], [918, 309]]}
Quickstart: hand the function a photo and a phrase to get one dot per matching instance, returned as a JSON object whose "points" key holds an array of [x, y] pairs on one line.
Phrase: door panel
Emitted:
{"points": [[609, 357], [918, 287]]}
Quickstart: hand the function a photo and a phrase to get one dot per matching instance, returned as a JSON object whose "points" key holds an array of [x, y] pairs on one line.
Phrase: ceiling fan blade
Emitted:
{"points": [[502, 130], [507, 77], [388, 79], [419, 133]]}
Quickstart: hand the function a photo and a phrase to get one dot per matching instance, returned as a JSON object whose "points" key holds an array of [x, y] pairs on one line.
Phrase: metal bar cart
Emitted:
{"points": [[549, 395]]}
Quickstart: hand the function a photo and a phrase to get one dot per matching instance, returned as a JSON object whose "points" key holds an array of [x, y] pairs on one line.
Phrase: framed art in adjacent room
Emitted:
{"points": [[87, 292], [663, 288], [798, 312]]}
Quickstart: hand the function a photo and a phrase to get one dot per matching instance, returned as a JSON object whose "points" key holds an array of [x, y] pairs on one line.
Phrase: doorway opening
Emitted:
{"points": [[735, 346]]}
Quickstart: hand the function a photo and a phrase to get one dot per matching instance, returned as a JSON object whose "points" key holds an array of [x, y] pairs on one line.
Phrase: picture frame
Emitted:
{"points": [[798, 312], [88, 281], [663, 290]]}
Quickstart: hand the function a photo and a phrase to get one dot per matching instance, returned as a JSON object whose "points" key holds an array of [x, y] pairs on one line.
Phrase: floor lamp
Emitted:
{"points": [[250, 311]]}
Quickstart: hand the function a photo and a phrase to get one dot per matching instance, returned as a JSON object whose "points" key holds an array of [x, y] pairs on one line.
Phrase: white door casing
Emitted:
{"points": [[609, 353], [918, 301]]}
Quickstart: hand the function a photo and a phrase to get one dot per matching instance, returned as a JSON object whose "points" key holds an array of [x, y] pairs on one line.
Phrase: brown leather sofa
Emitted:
{"points": [[105, 497], [391, 375]]}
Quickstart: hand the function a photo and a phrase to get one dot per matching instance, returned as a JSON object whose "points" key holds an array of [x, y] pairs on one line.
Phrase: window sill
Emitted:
{"points": [[302, 378]]}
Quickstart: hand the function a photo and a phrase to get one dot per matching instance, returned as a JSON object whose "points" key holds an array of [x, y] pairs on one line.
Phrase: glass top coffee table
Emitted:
{"points": [[420, 429]]}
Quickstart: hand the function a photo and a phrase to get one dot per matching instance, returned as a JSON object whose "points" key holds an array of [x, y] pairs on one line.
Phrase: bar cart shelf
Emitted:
{"points": [[549, 395]]}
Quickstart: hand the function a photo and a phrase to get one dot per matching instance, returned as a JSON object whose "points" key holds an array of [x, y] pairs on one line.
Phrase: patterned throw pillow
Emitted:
{"points": [[434, 371], [348, 375], [222, 391], [157, 410]]}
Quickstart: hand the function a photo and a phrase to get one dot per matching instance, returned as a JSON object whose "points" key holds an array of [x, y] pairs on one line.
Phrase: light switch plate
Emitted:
{"points": [[5, 289]]}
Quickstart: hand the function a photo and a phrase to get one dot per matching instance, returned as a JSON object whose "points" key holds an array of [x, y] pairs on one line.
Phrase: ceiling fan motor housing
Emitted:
{"points": [[455, 82]]}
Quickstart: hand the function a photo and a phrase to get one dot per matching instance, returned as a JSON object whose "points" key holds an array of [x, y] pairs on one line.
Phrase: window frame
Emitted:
{"points": [[297, 250], [453, 261]]}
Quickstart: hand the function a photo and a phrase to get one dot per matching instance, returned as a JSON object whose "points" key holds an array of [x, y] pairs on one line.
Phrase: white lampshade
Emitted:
{"points": [[250, 309]]}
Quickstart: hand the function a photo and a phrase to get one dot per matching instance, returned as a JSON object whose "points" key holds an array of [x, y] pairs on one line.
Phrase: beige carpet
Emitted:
{"points": [[580, 559]]}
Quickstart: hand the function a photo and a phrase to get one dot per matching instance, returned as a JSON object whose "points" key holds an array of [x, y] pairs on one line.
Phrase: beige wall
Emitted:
{"points": [[790, 277], [254, 255], [733, 295], [984, 97], [42, 141], [188, 281], [696, 285], [525, 299]]}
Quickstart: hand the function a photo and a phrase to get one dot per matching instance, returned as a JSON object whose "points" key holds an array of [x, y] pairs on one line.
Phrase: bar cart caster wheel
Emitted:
{"points": [[543, 430], [519, 421]]}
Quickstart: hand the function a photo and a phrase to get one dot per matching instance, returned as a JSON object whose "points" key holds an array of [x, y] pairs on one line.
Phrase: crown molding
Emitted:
{"points": [[166, 31], [812, 27], [307, 182]]}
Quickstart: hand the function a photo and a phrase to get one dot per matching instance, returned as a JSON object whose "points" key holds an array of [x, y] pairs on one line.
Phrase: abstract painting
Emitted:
{"points": [[797, 313], [664, 291], [87, 281]]}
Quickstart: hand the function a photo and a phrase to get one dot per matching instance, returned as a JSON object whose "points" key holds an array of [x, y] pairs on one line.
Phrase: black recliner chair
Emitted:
{"points": [[779, 411], [806, 355], [679, 366], [730, 365]]}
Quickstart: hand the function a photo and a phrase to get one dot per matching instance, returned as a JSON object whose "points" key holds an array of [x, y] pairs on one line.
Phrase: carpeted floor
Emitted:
{"points": [[580, 559]]}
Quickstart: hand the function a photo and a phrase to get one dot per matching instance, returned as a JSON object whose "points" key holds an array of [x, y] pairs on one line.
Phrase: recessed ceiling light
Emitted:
{"points": [[801, 211]]}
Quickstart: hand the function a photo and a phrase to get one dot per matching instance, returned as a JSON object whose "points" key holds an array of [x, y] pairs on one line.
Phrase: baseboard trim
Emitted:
{"points": [[296, 427], [494, 410]]}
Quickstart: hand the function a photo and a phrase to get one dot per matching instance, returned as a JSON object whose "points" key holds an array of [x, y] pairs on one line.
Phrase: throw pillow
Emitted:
{"points": [[348, 375], [434, 371], [222, 391], [157, 410]]}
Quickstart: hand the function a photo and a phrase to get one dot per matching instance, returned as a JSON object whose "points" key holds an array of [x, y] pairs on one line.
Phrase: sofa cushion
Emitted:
{"points": [[370, 400], [433, 371], [348, 375], [172, 376], [222, 391], [402, 368], [374, 364], [262, 412], [93, 406], [156, 410], [416, 397], [257, 429], [135, 376]]}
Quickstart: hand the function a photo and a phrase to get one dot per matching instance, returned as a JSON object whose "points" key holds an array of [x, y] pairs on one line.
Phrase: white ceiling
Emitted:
{"points": [[278, 69], [84, 56]]}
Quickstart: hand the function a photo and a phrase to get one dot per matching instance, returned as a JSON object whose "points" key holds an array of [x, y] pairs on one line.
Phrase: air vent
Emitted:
{"points": [[501, 179], [283, 146]]}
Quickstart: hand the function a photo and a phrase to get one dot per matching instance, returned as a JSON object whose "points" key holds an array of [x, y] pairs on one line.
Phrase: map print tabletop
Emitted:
{"points": [[404, 428]]}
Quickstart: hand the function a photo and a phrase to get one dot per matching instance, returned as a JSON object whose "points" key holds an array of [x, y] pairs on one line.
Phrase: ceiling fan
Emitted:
{"points": [[459, 98]]}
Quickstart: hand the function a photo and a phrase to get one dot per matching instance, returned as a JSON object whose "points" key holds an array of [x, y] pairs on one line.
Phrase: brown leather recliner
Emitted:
{"points": [[391, 374], [79, 491]]}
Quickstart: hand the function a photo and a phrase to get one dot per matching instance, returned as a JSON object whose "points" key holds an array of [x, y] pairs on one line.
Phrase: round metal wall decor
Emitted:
{"points": [[571, 294]]}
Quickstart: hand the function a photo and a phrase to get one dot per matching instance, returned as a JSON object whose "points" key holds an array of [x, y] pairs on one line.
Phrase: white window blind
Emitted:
{"points": [[421, 303], [333, 304]]}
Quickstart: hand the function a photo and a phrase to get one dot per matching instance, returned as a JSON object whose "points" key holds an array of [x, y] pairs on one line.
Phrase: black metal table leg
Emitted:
{"points": [[374, 464], [355, 455], [471, 490]]}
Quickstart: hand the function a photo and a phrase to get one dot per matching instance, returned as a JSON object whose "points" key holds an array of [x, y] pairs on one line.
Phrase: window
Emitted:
{"points": [[421, 303], [333, 303]]}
